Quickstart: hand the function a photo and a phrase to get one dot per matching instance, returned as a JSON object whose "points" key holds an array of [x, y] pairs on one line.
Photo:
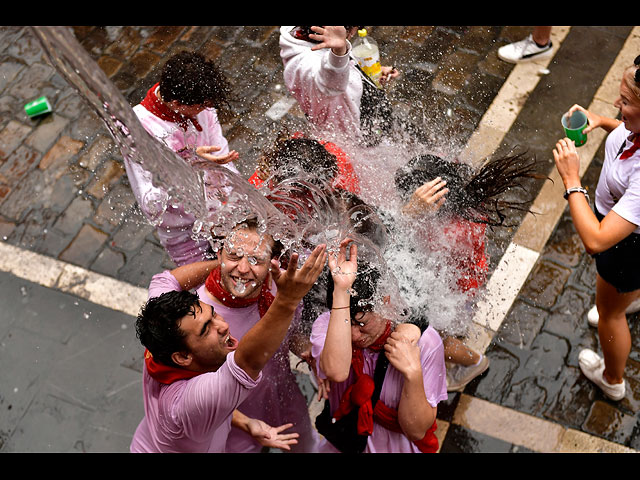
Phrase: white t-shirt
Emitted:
{"points": [[619, 183]]}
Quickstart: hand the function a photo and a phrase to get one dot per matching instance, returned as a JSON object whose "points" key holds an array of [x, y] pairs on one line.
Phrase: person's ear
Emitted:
{"points": [[182, 359]]}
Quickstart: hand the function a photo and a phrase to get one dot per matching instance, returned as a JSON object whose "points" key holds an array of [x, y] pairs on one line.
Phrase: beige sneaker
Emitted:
{"points": [[458, 376]]}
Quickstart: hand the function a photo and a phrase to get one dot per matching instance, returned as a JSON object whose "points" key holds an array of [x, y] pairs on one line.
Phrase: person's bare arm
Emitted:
{"points": [[415, 413], [194, 274], [595, 235], [335, 359]]}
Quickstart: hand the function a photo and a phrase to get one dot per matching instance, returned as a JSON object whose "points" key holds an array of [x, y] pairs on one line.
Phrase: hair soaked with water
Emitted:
{"points": [[474, 194], [158, 323], [290, 156], [191, 79]]}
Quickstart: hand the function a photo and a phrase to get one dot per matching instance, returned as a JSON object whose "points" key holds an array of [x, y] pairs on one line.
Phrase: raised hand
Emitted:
{"points": [[294, 282], [427, 198], [334, 38], [344, 271]]}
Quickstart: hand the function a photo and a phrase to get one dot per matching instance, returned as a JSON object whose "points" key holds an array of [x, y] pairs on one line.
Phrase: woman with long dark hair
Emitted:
{"points": [[464, 200]]}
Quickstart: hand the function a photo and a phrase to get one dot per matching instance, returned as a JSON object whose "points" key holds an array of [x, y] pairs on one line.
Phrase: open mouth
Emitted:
{"points": [[230, 342], [241, 284]]}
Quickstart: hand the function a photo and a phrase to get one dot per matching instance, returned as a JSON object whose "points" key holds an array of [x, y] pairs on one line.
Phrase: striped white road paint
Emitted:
{"points": [[509, 276]]}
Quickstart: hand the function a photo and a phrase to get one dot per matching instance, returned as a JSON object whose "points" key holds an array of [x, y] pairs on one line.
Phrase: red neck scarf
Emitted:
{"points": [[632, 149], [165, 373], [359, 394], [215, 288], [155, 106], [388, 418]]}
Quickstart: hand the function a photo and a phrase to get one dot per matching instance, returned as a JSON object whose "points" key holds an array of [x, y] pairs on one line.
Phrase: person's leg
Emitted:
{"points": [[457, 352], [541, 35], [613, 330]]}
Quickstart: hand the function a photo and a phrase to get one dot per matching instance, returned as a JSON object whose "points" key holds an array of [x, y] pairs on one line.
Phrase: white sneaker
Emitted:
{"points": [[592, 366], [458, 376], [593, 317], [524, 51]]}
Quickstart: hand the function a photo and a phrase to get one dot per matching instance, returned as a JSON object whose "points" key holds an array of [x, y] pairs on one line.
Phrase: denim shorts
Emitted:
{"points": [[620, 264]]}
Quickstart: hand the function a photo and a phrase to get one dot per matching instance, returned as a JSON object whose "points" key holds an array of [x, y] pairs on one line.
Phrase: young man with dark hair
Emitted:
{"points": [[196, 374]]}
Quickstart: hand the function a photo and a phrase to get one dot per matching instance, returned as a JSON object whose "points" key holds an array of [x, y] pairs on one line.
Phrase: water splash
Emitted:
{"points": [[296, 211], [215, 209]]}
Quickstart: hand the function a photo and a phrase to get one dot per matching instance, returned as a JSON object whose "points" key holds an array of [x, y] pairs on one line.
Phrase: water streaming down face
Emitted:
{"points": [[296, 211]]}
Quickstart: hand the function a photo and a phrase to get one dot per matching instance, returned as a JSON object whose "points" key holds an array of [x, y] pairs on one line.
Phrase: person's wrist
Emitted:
{"points": [[572, 182]]}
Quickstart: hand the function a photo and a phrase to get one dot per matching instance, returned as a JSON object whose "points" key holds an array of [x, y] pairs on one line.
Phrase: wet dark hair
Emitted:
{"points": [[363, 296], [289, 156], [158, 324], [305, 31], [191, 79], [252, 223], [474, 194]]}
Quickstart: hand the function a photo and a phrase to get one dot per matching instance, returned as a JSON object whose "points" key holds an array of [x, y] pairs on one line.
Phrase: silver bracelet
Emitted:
{"points": [[577, 189]]}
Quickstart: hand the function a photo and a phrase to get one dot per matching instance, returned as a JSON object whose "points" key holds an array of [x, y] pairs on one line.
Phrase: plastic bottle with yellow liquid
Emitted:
{"points": [[366, 52]]}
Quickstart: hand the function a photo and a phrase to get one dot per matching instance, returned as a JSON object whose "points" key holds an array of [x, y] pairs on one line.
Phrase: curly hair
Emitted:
{"points": [[474, 194], [158, 323], [289, 156], [191, 79]]}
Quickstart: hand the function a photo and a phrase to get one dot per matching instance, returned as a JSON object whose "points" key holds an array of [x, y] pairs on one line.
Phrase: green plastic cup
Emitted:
{"points": [[573, 126], [39, 106]]}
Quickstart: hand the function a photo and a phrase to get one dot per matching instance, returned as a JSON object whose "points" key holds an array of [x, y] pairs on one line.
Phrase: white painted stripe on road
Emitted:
{"points": [[527, 431], [52, 273]]}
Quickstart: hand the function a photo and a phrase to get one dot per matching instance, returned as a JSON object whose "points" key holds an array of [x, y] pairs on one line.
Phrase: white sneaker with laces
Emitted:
{"points": [[524, 51], [593, 317], [592, 365]]}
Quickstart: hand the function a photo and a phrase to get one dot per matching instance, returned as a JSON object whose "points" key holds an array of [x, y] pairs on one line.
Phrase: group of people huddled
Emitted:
{"points": [[218, 329]]}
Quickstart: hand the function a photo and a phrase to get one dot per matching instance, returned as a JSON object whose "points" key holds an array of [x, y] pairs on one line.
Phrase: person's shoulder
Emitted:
{"points": [[430, 339]]}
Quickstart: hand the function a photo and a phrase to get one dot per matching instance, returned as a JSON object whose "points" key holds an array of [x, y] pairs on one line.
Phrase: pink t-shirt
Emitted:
{"points": [[434, 378], [174, 225], [191, 415], [278, 399]]}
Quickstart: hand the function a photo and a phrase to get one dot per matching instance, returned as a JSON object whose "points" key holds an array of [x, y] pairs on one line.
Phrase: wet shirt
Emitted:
{"points": [[618, 187], [191, 415], [278, 399], [434, 378], [174, 225]]}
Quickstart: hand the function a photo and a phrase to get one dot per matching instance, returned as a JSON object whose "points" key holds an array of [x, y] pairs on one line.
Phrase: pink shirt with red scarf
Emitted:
{"points": [[188, 415], [383, 440], [180, 135]]}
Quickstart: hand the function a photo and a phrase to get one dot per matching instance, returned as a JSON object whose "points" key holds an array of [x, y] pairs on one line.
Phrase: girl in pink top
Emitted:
{"points": [[347, 344]]}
